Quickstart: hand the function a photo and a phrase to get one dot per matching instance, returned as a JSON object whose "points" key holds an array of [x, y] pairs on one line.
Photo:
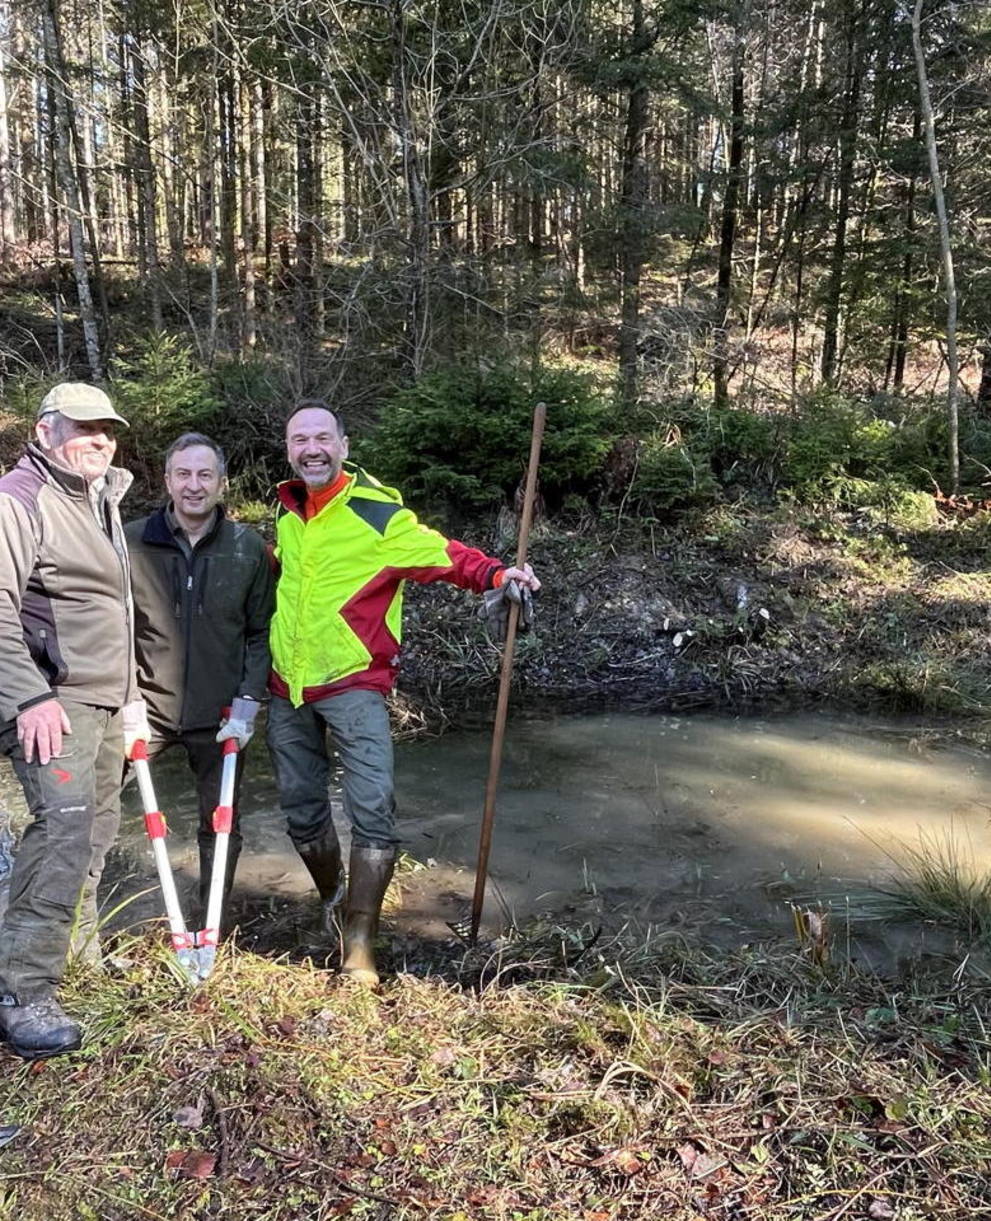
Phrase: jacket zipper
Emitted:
{"points": [[187, 629]]}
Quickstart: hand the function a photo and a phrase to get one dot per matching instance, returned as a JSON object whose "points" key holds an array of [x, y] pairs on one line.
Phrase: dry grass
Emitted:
{"points": [[543, 1078]]}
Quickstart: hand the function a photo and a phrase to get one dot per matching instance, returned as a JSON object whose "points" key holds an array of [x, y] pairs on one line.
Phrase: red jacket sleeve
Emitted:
{"points": [[471, 568]]}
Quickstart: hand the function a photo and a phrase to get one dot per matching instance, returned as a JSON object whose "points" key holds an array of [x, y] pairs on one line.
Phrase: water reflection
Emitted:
{"points": [[705, 820]]}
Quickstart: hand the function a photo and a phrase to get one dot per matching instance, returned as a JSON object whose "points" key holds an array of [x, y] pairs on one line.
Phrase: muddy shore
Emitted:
{"points": [[736, 611]]}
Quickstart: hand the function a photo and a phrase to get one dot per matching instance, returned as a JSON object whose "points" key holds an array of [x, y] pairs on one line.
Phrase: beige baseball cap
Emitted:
{"points": [[80, 401]]}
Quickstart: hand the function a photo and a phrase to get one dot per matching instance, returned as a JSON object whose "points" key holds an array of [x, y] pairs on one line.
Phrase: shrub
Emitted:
{"points": [[835, 437], [673, 474], [459, 439], [745, 446], [162, 392]]}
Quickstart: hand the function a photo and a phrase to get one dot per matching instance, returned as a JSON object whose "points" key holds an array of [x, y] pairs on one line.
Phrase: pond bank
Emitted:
{"points": [[554, 1075], [734, 610]]}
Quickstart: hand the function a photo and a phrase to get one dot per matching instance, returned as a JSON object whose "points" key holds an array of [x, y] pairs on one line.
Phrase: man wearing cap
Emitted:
{"points": [[203, 593], [67, 697]]}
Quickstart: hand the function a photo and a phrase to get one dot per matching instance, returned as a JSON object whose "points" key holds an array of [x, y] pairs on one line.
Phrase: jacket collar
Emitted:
{"points": [[291, 493], [159, 530], [118, 480]]}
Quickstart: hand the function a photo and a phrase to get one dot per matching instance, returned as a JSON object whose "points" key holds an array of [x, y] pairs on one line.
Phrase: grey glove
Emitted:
{"points": [[241, 722], [494, 611], [134, 721]]}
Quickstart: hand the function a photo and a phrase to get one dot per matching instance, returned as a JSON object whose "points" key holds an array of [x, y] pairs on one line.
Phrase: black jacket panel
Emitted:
{"points": [[201, 621]]}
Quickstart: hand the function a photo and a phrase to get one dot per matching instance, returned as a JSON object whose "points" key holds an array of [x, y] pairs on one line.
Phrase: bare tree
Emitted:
{"points": [[8, 233], [946, 249], [69, 183]]}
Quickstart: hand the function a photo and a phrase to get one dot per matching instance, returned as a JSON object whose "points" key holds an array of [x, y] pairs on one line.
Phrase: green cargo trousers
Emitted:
{"points": [[74, 801]]}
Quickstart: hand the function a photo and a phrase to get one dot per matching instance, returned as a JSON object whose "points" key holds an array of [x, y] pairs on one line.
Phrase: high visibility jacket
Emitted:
{"points": [[339, 599]]}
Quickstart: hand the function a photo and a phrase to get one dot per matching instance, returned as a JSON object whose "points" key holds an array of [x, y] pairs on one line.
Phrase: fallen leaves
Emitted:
{"points": [[190, 1116], [697, 1163], [627, 1159], [190, 1163]]}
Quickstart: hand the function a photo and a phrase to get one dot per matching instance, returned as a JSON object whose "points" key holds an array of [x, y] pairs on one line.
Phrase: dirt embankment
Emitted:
{"points": [[735, 610]]}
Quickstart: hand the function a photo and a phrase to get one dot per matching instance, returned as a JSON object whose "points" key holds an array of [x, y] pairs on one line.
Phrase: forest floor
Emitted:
{"points": [[536, 1080]]}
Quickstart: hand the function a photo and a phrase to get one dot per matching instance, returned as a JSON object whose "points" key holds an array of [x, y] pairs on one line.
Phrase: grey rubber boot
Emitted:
{"points": [[38, 1029], [370, 875], [322, 857]]}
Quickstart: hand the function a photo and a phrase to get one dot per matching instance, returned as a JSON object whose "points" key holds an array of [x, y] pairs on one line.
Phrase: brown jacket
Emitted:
{"points": [[65, 605]]}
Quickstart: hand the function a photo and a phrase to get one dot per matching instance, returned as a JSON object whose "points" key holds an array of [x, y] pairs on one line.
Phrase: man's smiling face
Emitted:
{"points": [[194, 482], [315, 446]]}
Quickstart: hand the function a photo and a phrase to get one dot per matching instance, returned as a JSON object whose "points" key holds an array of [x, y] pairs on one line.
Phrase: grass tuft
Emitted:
{"points": [[944, 884]]}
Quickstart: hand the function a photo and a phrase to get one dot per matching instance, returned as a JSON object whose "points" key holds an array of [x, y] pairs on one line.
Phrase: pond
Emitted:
{"points": [[708, 823]]}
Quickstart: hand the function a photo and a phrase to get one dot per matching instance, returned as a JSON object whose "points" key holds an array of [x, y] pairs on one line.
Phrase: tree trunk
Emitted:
{"points": [[849, 123], [135, 240], [306, 219], [727, 237], [249, 223], [147, 196], [946, 250], [227, 152], [51, 179], [8, 231], [266, 171], [418, 226], [175, 135], [633, 203], [69, 185], [899, 322]]}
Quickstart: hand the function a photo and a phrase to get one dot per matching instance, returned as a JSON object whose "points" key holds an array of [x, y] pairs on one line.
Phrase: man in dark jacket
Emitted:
{"points": [[68, 704], [203, 594]]}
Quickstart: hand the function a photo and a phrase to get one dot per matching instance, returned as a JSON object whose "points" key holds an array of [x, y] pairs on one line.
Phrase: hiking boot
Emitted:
{"points": [[38, 1029], [371, 872], [322, 857]]}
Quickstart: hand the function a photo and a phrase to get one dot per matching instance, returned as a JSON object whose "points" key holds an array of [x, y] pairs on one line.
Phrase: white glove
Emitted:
{"points": [[136, 728], [241, 722]]}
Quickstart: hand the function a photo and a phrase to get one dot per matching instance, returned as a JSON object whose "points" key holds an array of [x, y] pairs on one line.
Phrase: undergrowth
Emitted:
{"points": [[532, 1080]]}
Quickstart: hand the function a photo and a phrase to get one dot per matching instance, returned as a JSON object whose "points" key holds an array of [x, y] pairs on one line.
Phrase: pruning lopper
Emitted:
{"points": [[196, 952]]}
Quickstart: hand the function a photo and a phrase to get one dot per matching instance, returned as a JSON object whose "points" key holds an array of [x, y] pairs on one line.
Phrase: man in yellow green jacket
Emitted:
{"points": [[345, 546]]}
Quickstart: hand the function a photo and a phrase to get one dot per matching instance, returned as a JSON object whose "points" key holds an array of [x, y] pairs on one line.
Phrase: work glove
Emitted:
{"points": [[494, 611], [241, 722], [136, 728]]}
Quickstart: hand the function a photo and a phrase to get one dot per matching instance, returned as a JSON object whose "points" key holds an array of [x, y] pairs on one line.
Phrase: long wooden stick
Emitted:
{"points": [[502, 703]]}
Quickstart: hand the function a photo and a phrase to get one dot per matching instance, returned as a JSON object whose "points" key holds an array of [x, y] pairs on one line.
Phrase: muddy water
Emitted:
{"points": [[711, 823]]}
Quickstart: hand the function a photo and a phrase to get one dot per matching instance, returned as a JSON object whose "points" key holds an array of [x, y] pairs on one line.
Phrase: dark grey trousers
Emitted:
{"points": [[297, 739], [206, 761], [74, 802]]}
